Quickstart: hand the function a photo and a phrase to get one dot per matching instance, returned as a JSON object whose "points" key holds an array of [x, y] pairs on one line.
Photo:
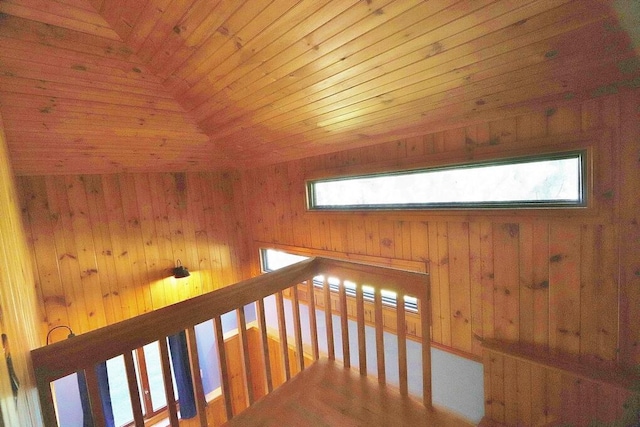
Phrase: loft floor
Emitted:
{"points": [[326, 394]]}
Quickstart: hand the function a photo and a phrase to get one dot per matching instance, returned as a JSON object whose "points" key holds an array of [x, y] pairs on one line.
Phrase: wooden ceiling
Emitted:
{"points": [[98, 86]]}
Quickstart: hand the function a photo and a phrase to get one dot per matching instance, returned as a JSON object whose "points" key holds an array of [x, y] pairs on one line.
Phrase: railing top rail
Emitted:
{"points": [[83, 351]]}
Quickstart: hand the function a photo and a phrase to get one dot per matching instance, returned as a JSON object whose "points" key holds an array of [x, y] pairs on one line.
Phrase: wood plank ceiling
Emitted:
{"points": [[97, 86]]}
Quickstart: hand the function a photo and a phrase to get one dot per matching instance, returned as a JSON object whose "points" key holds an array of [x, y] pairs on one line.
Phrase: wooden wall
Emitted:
{"points": [[557, 279], [18, 307], [104, 246]]}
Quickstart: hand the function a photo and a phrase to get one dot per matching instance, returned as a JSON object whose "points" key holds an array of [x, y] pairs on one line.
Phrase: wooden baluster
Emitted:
{"points": [[198, 389], [425, 325], [401, 328], [313, 321], [244, 351], [46, 400], [282, 327], [297, 329], [134, 392], [168, 382], [224, 371], [262, 323], [362, 343], [379, 321], [344, 324], [328, 319], [93, 388]]}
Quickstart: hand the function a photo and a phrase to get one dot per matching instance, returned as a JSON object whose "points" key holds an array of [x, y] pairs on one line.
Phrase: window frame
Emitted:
{"points": [[410, 306], [150, 415], [582, 154]]}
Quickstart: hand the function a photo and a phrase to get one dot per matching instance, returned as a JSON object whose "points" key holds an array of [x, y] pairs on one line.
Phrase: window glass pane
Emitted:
{"points": [[141, 389], [274, 260], [551, 181], [68, 401], [119, 391], [154, 372]]}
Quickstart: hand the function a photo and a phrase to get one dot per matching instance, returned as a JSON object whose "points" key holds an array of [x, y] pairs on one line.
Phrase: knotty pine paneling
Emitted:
{"points": [[546, 279], [629, 178], [259, 82], [523, 393], [104, 246], [68, 85], [18, 305]]}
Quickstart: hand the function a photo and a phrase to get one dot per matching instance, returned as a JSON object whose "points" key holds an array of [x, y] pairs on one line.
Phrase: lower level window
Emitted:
{"points": [[273, 260]]}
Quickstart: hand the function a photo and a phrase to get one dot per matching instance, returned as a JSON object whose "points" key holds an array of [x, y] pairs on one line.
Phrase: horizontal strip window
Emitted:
{"points": [[273, 260], [551, 181]]}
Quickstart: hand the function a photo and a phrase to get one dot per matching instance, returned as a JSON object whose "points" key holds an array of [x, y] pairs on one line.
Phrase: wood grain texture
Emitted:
{"points": [[575, 387], [19, 305], [544, 278], [327, 394], [119, 85], [106, 245], [103, 86]]}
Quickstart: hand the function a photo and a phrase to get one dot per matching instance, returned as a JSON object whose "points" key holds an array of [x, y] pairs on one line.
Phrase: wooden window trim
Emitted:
{"points": [[151, 417], [598, 180]]}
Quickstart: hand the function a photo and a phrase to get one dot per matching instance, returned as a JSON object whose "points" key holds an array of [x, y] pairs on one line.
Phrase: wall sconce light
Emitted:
{"points": [[180, 271]]}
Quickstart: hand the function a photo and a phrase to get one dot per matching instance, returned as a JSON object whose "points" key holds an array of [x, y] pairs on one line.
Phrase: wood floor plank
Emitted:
{"points": [[326, 394]]}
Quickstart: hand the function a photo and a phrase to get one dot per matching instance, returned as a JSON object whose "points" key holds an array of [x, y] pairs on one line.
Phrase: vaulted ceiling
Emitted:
{"points": [[97, 86]]}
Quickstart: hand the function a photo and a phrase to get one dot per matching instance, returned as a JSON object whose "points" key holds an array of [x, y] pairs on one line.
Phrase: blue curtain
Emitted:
{"points": [[84, 400], [182, 372], [105, 397]]}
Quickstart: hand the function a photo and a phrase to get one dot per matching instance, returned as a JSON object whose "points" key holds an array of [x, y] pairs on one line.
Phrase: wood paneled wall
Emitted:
{"points": [[569, 282], [18, 307], [104, 246]]}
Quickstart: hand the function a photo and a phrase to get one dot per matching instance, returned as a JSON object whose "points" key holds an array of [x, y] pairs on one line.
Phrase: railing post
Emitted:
{"points": [[46, 400], [224, 371], [296, 327], [168, 382], [134, 393], [198, 389], [262, 324], [328, 312], [313, 321], [425, 325], [282, 326], [362, 343], [244, 351], [93, 388], [344, 324], [379, 321], [401, 331]]}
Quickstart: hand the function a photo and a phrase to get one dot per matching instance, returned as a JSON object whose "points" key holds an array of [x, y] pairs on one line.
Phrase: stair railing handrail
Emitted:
{"points": [[85, 351]]}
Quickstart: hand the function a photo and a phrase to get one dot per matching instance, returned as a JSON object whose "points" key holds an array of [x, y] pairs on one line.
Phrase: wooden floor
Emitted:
{"points": [[326, 394]]}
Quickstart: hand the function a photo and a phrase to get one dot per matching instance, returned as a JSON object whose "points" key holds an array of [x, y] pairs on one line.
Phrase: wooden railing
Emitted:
{"points": [[84, 352]]}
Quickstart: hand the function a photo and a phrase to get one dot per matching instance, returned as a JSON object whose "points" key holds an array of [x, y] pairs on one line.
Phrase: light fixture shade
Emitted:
{"points": [[180, 271]]}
